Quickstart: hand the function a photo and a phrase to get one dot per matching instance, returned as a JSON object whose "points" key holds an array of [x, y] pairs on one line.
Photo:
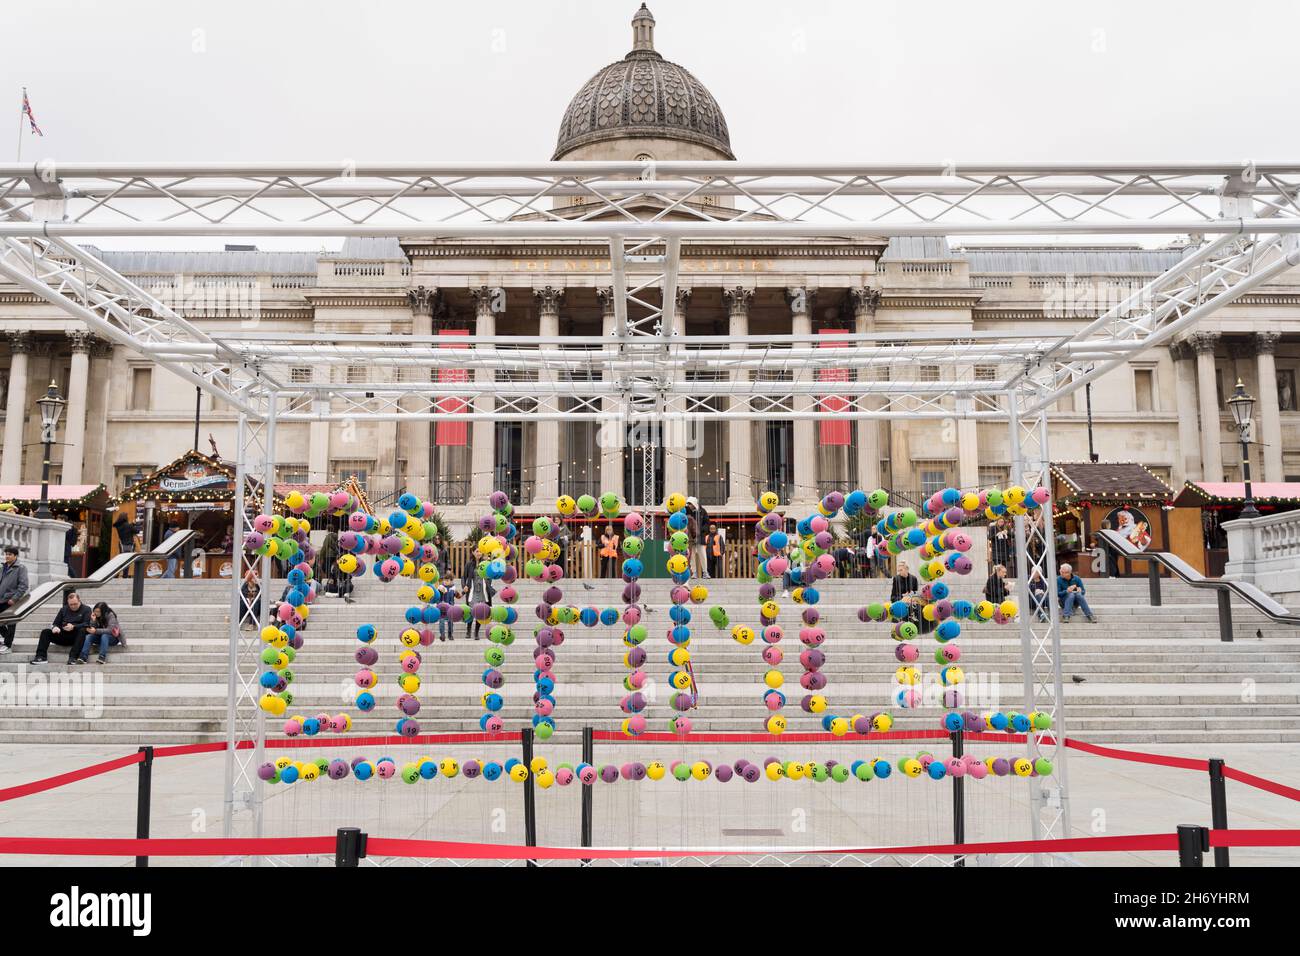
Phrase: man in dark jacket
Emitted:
{"points": [[126, 533], [68, 629], [13, 588]]}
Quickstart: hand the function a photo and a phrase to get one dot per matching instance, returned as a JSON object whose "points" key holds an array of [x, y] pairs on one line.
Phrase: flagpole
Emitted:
{"points": [[21, 117]]}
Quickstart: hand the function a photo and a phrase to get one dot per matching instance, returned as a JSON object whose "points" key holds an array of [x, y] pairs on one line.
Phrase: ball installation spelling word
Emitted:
{"points": [[286, 538], [684, 694], [633, 702], [543, 550], [401, 545], [496, 551]]}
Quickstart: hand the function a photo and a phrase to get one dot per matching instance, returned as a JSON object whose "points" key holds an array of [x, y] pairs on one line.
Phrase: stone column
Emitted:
{"points": [[1189, 435], [416, 434], [611, 433], [675, 429], [740, 494], [483, 448], [1204, 344], [1269, 430], [805, 433], [864, 302], [11, 464], [74, 429], [547, 469]]}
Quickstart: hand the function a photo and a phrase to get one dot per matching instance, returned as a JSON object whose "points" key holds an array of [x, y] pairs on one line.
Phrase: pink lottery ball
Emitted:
{"points": [[509, 595], [952, 697], [631, 615], [634, 522], [1040, 495], [978, 770], [911, 698], [636, 679], [925, 760], [564, 776], [825, 563], [636, 724], [557, 636], [955, 767], [773, 701], [680, 595], [772, 634], [292, 728], [778, 565], [357, 521], [951, 653], [544, 661], [681, 725], [533, 544], [812, 680], [365, 677], [427, 509], [907, 653], [386, 769], [813, 659], [263, 523], [285, 612], [960, 541], [772, 655], [819, 523], [411, 664], [427, 637], [493, 725], [544, 707]]}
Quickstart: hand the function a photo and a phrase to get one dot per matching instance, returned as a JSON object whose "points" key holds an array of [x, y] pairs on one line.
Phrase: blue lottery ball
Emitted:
{"points": [[539, 720], [811, 596], [296, 577], [407, 502], [496, 569], [430, 615], [397, 519], [898, 610], [414, 615], [545, 685], [428, 769], [365, 701], [1020, 724], [609, 616], [947, 630], [493, 702], [366, 633], [362, 771], [826, 722], [855, 501], [311, 726], [882, 769], [680, 614], [510, 764], [777, 541], [512, 615], [952, 722], [483, 722], [633, 567], [916, 537], [804, 527], [681, 578], [295, 597], [289, 631], [939, 590], [269, 679], [998, 721], [588, 616], [936, 770], [680, 635], [951, 496], [491, 770], [962, 609], [677, 521], [289, 774]]}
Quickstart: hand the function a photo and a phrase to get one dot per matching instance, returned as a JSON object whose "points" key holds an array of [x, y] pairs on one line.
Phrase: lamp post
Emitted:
{"points": [[51, 406], [1242, 405]]}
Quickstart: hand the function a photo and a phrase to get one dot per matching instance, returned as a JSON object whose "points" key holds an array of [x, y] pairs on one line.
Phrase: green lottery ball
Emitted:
{"points": [[839, 773], [587, 504], [682, 771], [410, 773], [289, 652], [864, 771], [499, 612], [1042, 721], [878, 498], [544, 731], [679, 540], [821, 774], [1043, 767], [609, 503], [632, 546], [494, 656], [270, 657]]}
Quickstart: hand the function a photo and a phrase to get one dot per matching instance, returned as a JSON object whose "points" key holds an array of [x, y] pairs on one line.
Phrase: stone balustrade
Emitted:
{"points": [[39, 543], [1266, 552]]}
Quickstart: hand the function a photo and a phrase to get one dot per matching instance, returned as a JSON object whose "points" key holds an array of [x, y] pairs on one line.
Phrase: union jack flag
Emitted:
{"points": [[31, 118]]}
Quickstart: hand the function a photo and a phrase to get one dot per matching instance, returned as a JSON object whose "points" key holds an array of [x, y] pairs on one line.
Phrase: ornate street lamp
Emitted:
{"points": [[1242, 405], [51, 406]]}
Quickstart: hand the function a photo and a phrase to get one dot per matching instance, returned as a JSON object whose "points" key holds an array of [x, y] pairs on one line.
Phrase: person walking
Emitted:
{"points": [[478, 590], [584, 537], [714, 545], [69, 542], [13, 589], [173, 559], [105, 630], [126, 531], [609, 553], [995, 588], [702, 524], [68, 629], [250, 590]]}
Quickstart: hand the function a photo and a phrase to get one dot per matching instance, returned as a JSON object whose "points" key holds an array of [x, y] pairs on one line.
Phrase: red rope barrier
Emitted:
{"points": [[191, 846], [1260, 783], [1137, 756], [72, 776]]}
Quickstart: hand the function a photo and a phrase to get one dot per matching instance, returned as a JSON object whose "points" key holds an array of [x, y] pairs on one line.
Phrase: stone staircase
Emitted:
{"points": [[1148, 674]]}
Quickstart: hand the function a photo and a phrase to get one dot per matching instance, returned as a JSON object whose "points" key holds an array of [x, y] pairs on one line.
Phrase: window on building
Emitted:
{"points": [[928, 373], [356, 374], [934, 475], [1144, 389], [994, 476], [292, 474], [300, 375], [986, 373], [141, 397], [345, 468]]}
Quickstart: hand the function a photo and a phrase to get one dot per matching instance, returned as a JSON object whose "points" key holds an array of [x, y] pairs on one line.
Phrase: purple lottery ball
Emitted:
{"points": [[722, 772], [609, 773]]}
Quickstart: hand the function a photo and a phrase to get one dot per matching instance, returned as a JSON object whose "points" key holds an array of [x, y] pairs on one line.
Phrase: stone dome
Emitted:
{"points": [[643, 96]]}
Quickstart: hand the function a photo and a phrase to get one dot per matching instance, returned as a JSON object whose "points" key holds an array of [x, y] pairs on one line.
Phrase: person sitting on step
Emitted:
{"points": [[104, 630], [68, 629]]}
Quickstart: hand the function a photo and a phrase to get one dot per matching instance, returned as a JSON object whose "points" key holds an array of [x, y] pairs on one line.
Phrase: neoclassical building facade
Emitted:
{"points": [[1164, 409]]}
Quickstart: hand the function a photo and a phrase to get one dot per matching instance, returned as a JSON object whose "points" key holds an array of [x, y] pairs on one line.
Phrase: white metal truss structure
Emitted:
{"points": [[1240, 223]]}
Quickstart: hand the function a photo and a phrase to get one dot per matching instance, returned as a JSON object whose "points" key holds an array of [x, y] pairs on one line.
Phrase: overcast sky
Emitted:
{"points": [[822, 81]]}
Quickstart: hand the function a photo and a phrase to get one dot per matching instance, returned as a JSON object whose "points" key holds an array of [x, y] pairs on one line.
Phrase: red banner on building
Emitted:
{"points": [[453, 433], [836, 431]]}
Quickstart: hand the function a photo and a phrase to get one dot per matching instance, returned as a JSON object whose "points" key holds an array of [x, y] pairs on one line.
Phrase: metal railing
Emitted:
{"points": [[1224, 589], [182, 542]]}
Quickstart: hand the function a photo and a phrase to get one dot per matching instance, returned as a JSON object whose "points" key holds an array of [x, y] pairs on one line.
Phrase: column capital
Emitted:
{"points": [[1181, 351], [799, 298], [82, 341], [737, 300], [605, 296], [864, 300], [1266, 342], [20, 341], [683, 299], [488, 300], [425, 300], [548, 299], [1204, 342]]}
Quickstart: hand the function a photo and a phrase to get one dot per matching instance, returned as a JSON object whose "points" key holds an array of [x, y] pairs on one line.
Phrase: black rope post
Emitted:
{"points": [[530, 805], [1153, 583], [349, 847], [958, 801], [1218, 806], [143, 793], [137, 583], [588, 757], [1225, 615], [1193, 841]]}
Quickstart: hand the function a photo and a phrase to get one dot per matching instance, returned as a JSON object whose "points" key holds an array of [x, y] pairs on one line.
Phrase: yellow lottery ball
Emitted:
{"points": [[699, 593], [409, 683], [774, 771], [1015, 495], [537, 764], [742, 634], [347, 563], [518, 773], [271, 634], [424, 595], [309, 771], [907, 675], [283, 762], [427, 572], [817, 703], [775, 725], [773, 679], [545, 778], [881, 723], [675, 502], [1009, 608], [984, 610], [680, 680], [565, 505], [677, 563], [912, 767], [797, 595], [768, 501], [448, 767], [1022, 766], [839, 726], [700, 770], [679, 656], [410, 637], [927, 612], [795, 770], [770, 609], [655, 770], [294, 501], [970, 501], [951, 676], [273, 705]]}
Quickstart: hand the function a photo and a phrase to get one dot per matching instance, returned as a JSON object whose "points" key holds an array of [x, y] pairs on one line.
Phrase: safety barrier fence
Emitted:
{"points": [[350, 845]]}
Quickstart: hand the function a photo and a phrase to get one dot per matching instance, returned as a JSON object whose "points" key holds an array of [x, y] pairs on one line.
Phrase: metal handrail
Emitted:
{"points": [[1252, 595], [103, 575]]}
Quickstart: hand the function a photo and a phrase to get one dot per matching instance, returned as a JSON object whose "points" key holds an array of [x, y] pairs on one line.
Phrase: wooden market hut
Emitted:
{"points": [[86, 506], [1124, 497], [1214, 502]]}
